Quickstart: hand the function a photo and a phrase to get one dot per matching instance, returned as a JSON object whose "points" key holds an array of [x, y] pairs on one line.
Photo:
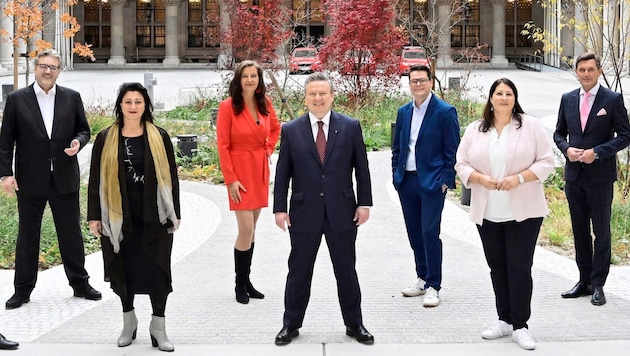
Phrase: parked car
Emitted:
{"points": [[359, 59], [412, 56], [302, 60]]}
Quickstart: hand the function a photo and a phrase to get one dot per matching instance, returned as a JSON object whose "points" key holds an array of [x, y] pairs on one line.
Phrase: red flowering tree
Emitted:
{"points": [[363, 47], [255, 30]]}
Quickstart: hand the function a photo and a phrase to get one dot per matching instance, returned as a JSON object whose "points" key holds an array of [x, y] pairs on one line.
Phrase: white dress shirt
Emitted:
{"points": [[416, 123]]}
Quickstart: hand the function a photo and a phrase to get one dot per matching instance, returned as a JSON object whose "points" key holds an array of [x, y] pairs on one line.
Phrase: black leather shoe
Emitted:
{"points": [[598, 296], [361, 334], [580, 289], [286, 335], [86, 291], [17, 300], [6, 344]]}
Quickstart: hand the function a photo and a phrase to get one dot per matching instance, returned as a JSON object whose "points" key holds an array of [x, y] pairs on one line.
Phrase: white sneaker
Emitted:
{"points": [[498, 329], [415, 290], [524, 339], [431, 298]]}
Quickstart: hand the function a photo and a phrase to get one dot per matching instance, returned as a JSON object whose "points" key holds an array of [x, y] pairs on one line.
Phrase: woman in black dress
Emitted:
{"points": [[133, 206]]}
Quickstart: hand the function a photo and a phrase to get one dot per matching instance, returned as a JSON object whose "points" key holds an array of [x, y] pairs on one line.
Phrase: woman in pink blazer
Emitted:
{"points": [[504, 159]]}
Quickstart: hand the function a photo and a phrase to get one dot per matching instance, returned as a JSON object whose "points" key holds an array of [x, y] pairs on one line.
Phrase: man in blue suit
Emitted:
{"points": [[319, 152], [592, 127], [423, 165]]}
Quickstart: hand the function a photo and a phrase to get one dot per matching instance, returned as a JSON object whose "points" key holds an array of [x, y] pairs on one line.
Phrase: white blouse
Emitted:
{"points": [[498, 208]]}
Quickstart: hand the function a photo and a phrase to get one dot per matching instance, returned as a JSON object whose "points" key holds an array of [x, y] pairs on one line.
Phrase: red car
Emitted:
{"points": [[304, 60], [412, 56], [359, 58]]}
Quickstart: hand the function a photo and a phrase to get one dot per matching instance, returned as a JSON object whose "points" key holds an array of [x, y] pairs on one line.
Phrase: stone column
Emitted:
{"points": [[444, 59], [498, 35], [117, 50], [6, 48], [171, 60]]}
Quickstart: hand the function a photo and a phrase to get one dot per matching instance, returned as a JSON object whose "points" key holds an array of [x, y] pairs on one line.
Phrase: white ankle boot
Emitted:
{"points": [[157, 329], [130, 327]]}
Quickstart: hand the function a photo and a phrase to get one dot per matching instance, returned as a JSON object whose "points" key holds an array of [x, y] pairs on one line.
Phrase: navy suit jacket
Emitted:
{"points": [[435, 149], [320, 191], [23, 129], [607, 116]]}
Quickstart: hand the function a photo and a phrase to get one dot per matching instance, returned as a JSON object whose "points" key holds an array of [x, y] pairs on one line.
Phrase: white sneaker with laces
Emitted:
{"points": [[431, 298], [524, 339], [415, 290], [498, 329]]}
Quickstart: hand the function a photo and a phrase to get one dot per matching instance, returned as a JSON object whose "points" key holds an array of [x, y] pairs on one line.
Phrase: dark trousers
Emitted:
{"points": [[423, 215], [509, 249], [65, 211], [158, 304], [304, 247], [591, 203]]}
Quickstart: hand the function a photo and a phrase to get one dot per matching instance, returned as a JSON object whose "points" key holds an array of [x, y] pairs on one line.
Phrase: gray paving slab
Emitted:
{"points": [[203, 317]]}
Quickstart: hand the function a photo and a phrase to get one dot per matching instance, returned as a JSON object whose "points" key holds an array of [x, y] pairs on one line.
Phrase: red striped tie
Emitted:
{"points": [[320, 141]]}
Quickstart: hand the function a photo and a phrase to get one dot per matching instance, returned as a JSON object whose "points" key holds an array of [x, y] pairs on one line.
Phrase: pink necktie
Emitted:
{"points": [[584, 109], [320, 141]]}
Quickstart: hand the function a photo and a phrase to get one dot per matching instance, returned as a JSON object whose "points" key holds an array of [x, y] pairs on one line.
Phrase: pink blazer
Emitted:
{"points": [[528, 148]]}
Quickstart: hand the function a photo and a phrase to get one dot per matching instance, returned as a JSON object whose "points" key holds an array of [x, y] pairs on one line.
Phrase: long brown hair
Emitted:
{"points": [[236, 90]]}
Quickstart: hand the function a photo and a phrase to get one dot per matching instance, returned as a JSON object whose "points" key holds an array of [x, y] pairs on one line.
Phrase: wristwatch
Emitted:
{"points": [[595, 155], [521, 179]]}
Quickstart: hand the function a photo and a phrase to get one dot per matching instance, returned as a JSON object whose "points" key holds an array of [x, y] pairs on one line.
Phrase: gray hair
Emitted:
{"points": [[318, 77], [49, 53]]}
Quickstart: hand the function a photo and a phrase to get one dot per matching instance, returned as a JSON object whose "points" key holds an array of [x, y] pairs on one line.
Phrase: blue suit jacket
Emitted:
{"points": [[322, 190], [608, 116], [435, 149]]}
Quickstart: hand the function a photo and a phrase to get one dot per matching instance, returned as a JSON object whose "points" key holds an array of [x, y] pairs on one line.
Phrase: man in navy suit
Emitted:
{"points": [[423, 166], [46, 126], [319, 152], [592, 127]]}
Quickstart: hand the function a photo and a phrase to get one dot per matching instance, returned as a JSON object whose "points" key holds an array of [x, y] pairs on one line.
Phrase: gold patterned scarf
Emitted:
{"points": [[111, 199]]}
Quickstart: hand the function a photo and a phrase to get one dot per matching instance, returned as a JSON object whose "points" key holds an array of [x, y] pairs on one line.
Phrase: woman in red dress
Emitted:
{"points": [[247, 133]]}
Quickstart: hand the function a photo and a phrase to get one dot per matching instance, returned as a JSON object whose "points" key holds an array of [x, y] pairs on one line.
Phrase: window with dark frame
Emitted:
{"points": [[97, 22]]}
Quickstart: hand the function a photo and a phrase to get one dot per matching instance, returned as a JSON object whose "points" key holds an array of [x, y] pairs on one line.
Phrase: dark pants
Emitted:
{"points": [[304, 247], [591, 203], [509, 249], [423, 215], [65, 211], [158, 303]]}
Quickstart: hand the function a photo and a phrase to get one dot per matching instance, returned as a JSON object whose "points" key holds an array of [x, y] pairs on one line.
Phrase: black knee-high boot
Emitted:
{"points": [[253, 293], [241, 267]]}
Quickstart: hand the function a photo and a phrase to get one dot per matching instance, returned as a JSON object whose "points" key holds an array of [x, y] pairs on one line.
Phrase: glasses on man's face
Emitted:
{"points": [[45, 67], [420, 81]]}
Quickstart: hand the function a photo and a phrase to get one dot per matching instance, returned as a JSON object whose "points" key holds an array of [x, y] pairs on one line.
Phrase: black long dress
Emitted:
{"points": [[140, 270]]}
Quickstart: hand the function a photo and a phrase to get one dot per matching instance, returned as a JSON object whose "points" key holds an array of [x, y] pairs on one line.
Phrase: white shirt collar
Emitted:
{"points": [[593, 90], [325, 119], [39, 90], [425, 103]]}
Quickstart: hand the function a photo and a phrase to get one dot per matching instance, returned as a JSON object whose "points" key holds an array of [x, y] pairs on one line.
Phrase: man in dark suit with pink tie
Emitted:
{"points": [[592, 127], [45, 125], [319, 152]]}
